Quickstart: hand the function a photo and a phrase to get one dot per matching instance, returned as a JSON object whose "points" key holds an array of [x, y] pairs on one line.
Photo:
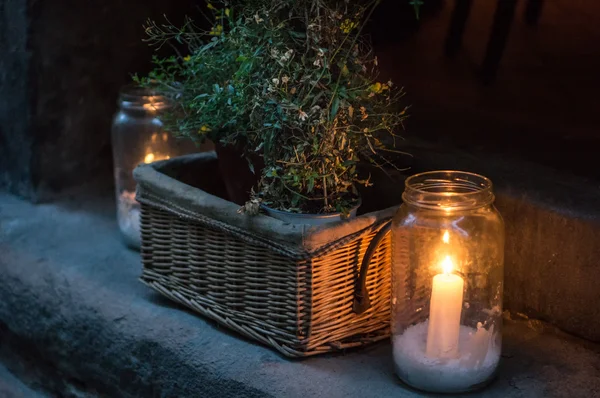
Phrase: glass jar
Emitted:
{"points": [[138, 137], [447, 282]]}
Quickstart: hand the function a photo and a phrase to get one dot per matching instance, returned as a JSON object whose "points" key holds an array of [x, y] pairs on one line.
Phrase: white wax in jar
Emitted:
{"points": [[476, 362]]}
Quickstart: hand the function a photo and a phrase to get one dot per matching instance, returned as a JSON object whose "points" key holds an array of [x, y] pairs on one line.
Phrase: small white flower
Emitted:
{"points": [[258, 19], [276, 82], [285, 79], [302, 115], [317, 62], [390, 83]]}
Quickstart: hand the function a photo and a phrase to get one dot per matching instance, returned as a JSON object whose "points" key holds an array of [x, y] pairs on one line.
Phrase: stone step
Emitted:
{"points": [[12, 387], [71, 304]]}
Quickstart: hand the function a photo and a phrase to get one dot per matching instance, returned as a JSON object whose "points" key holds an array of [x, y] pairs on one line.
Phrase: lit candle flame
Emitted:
{"points": [[149, 158], [447, 265], [446, 237]]}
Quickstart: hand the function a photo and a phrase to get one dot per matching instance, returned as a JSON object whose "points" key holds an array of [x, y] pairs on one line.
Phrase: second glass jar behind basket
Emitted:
{"points": [[138, 137]]}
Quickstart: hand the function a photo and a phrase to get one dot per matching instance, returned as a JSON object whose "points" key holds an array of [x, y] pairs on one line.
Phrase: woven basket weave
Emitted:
{"points": [[288, 286]]}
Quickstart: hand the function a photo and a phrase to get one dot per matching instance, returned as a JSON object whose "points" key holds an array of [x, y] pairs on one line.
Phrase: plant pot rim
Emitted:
{"points": [[311, 215], [309, 218]]}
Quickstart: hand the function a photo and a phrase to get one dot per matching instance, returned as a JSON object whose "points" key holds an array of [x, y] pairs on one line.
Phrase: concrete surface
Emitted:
{"points": [[71, 308], [12, 387]]}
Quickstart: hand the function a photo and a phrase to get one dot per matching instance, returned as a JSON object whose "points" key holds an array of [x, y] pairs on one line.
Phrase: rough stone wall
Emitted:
{"points": [[15, 142], [61, 68], [551, 264]]}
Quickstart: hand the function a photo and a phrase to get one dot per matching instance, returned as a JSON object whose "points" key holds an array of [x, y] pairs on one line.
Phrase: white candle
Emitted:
{"points": [[444, 313]]}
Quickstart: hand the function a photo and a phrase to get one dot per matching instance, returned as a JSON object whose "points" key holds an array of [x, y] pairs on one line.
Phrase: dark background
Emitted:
{"points": [[543, 104], [62, 64]]}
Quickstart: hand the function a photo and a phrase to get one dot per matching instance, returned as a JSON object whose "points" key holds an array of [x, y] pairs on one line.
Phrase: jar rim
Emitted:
{"points": [[448, 189], [136, 97]]}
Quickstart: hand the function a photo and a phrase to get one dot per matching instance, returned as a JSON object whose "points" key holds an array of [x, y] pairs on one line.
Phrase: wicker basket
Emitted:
{"points": [[288, 286]]}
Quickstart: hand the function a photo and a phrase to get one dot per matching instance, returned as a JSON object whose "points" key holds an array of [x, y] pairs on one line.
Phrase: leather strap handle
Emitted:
{"points": [[361, 293]]}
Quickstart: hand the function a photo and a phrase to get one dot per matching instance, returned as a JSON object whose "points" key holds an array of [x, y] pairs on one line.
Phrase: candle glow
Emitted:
{"points": [[447, 266], [149, 158], [446, 237]]}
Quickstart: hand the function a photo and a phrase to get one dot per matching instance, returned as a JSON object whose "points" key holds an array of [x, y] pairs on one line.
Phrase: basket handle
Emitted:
{"points": [[361, 293]]}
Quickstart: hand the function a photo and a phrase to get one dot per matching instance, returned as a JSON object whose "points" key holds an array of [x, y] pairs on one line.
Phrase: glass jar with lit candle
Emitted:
{"points": [[447, 281], [138, 137]]}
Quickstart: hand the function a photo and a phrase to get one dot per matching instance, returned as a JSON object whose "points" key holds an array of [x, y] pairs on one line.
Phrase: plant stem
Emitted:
{"points": [[373, 5], [325, 188]]}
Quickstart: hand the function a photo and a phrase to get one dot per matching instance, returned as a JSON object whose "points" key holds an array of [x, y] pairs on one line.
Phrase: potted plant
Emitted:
{"points": [[321, 112], [294, 85], [291, 82]]}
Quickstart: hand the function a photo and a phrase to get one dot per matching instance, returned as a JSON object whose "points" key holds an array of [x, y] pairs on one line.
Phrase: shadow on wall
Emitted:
{"points": [[541, 105]]}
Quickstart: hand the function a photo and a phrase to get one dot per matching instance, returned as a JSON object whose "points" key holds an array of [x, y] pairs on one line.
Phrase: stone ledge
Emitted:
{"points": [[71, 306], [12, 387]]}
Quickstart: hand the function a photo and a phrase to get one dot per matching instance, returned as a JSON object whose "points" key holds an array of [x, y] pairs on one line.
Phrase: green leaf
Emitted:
{"points": [[295, 200], [335, 106], [311, 184]]}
